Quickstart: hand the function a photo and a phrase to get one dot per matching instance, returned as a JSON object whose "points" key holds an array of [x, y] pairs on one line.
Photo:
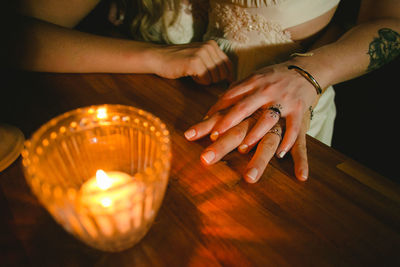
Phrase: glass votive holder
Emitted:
{"points": [[101, 172]]}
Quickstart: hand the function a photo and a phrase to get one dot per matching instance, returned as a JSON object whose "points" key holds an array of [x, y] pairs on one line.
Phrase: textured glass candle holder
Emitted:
{"points": [[129, 146]]}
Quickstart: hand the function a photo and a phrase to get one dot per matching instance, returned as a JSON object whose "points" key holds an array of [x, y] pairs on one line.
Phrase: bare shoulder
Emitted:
{"points": [[64, 13]]}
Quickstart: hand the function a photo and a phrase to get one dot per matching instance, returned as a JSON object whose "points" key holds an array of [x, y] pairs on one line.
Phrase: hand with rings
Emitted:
{"points": [[277, 86], [246, 135]]}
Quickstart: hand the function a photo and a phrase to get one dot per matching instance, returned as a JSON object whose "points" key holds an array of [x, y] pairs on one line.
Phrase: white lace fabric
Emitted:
{"points": [[253, 32], [239, 25]]}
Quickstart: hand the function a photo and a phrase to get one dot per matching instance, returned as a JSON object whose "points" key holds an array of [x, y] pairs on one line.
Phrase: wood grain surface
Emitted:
{"points": [[344, 215]]}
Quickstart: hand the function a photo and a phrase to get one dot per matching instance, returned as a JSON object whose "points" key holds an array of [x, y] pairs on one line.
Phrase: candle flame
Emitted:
{"points": [[103, 181], [101, 113], [106, 202]]}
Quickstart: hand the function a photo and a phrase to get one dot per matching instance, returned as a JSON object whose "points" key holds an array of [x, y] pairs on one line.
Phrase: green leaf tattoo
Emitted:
{"points": [[384, 48]]}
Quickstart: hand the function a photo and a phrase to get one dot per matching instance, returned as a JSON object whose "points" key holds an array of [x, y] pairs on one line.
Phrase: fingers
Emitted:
{"points": [[266, 148], [265, 151], [299, 149], [224, 64], [226, 143], [237, 91], [299, 155], [293, 125], [266, 121], [211, 65], [239, 112], [200, 72], [203, 128]]}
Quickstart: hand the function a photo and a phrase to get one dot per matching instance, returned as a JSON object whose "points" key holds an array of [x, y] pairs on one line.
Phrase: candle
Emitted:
{"points": [[113, 209], [113, 199]]}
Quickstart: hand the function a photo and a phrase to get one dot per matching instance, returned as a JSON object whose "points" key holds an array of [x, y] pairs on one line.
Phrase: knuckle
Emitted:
{"points": [[199, 53], [197, 65], [241, 107], [298, 105]]}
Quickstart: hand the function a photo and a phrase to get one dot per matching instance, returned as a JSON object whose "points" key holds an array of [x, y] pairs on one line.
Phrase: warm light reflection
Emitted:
{"points": [[106, 202], [101, 113], [103, 181]]}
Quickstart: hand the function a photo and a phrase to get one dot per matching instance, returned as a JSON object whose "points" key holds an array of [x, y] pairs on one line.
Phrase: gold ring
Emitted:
{"points": [[276, 131]]}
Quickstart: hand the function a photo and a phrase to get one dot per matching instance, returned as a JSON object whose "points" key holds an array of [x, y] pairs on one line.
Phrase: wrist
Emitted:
{"points": [[308, 77], [140, 57], [152, 58], [314, 66]]}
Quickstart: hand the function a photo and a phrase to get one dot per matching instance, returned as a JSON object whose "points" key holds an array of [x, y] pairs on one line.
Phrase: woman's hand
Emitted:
{"points": [[266, 144], [275, 88], [205, 62]]}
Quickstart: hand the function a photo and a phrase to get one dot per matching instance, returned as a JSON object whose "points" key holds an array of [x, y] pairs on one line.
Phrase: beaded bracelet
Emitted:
{"points": [[308, 76]]}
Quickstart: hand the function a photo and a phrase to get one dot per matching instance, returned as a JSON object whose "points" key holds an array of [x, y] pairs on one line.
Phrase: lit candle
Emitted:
{"points": [[113, 199]]}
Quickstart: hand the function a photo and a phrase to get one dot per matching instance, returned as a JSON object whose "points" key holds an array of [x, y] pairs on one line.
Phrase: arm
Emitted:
{"points": [[52, 48], [46, 41], [373, 42]]}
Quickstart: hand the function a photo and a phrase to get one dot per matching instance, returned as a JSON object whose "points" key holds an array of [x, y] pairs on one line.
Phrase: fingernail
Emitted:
{"points": [[304, 176], [282, 154], [208, 156], [243, 148], [189, 134], [214, 136], [252, 174]]}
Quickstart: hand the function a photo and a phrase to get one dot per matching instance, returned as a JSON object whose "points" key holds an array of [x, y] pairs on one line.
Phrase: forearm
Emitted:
{"points": [[353, 54], [41, 46]]}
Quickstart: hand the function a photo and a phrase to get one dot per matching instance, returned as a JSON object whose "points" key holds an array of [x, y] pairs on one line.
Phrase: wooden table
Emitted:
{"points": [[344, 215]]}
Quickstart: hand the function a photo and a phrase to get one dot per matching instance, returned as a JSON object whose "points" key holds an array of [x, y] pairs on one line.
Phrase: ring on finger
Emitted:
{"points": [[275, 110], [277, 129]]}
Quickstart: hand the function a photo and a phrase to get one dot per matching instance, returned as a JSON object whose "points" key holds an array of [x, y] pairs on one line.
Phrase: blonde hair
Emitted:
{"points": [[142, 15]]}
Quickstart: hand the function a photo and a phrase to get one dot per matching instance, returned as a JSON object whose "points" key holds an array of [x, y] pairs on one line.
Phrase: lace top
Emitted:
{"points": [[252, 32], [261, 21]]}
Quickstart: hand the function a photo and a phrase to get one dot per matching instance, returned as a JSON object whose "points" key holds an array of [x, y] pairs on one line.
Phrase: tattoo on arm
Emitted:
{"points": [[384, 48]]}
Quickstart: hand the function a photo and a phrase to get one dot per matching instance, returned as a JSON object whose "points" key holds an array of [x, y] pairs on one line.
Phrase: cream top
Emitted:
{"points": [[234, 19], [252, 32], [286, 13]]}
